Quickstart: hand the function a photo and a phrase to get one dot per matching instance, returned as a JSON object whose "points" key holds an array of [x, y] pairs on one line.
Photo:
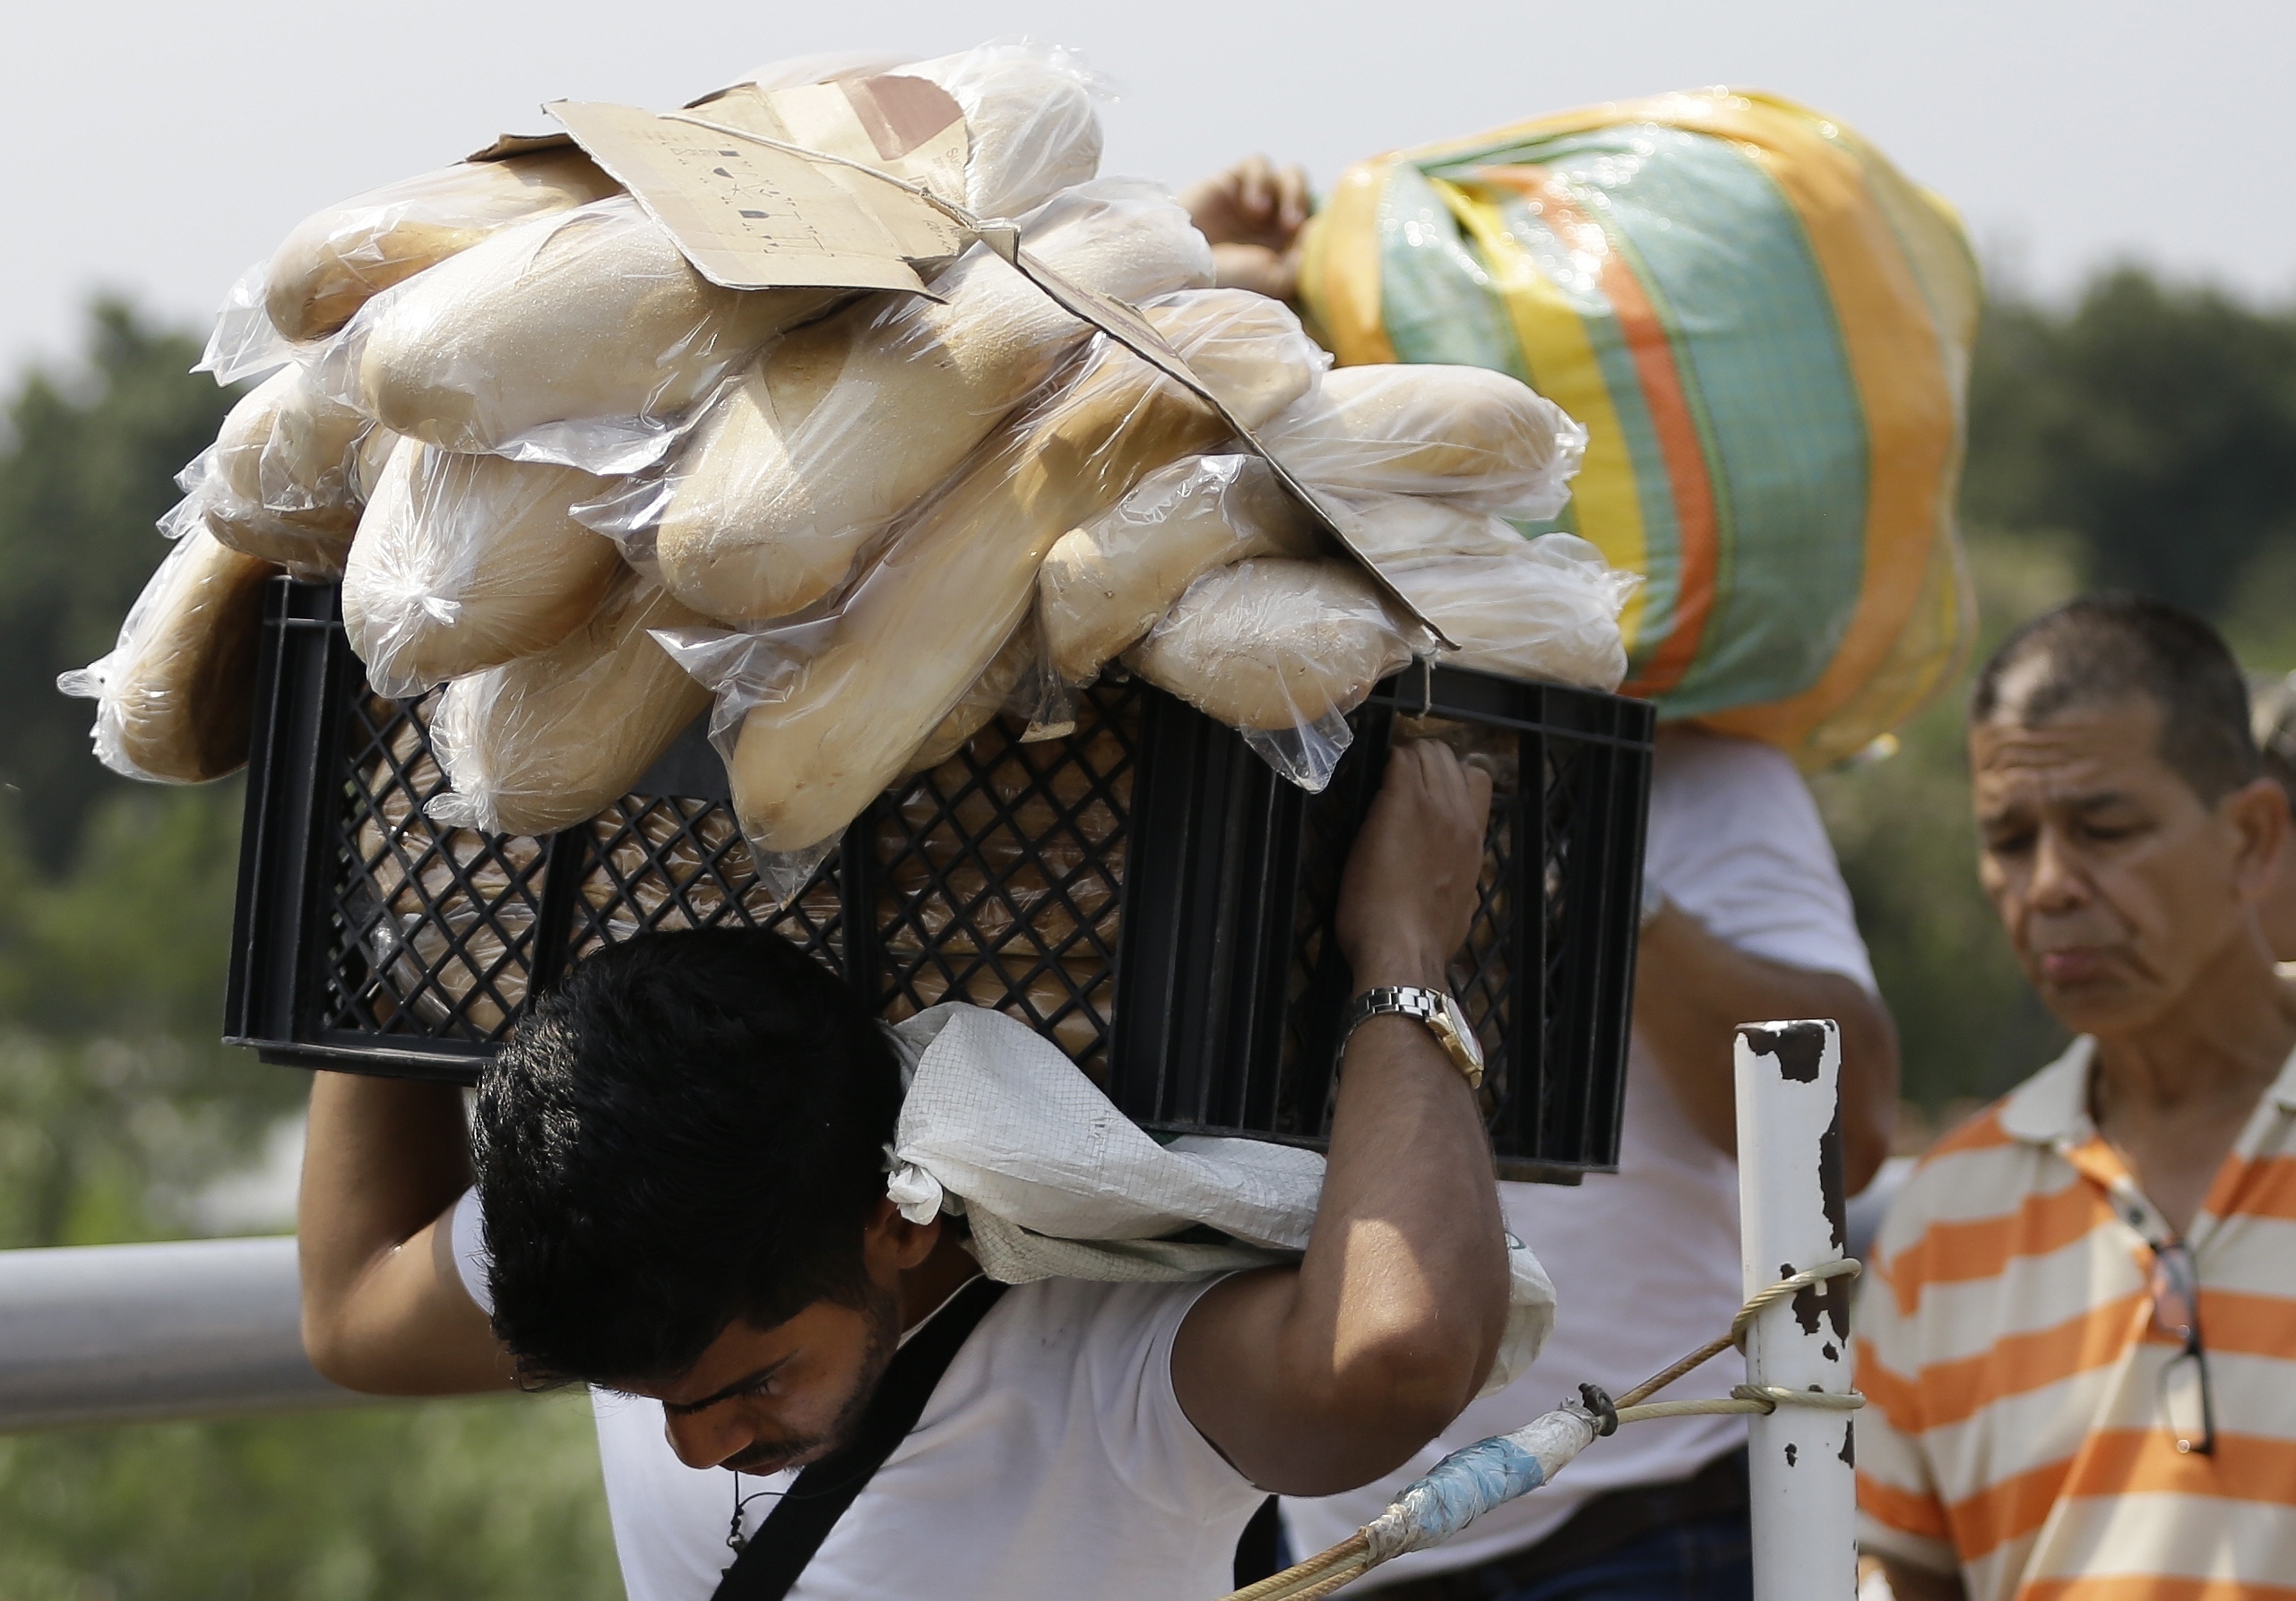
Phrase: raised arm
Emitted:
{"points": [[384, 1308], [1322, 1377], [1693, 989]]}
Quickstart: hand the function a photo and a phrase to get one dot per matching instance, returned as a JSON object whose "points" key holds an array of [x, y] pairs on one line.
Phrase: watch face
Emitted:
{"points": [[1465, 1030]]}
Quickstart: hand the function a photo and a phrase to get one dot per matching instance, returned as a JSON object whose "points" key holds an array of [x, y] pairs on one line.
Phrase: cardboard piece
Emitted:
{"points": [[858, 183]]}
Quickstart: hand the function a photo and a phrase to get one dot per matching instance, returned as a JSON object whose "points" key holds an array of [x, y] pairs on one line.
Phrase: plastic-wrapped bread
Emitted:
{"points": [[1029, 118], [464, 562], [1106, 583], [175, 698], [1395, 528], [817, 717], [1482, 439], [1547, 610], [338, 259], [580, 338], [1274, 644], [843, 426], [284, 481], [550, 740], [1003, 679]]}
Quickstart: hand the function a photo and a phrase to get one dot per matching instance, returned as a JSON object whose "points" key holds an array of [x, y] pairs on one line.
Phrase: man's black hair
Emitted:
{"points": [[2102, 649], [688, 1131]]}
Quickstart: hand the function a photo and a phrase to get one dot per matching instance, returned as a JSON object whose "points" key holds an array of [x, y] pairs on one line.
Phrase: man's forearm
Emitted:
{"points": [[382, 1159], [1319, 1378], [1408, 1243], [1692, 989]]}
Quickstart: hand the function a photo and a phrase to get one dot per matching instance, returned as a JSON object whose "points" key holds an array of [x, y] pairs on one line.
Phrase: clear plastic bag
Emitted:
{"points": [[1481, 439], [1281, 649], [243, 343], [463, 562], [817, 717], [1104, 585], [1398, 528], [582, 339], [842, 425], [1028, 116], [174, 696], [1547, 611], [550, 740], [338, 259]]}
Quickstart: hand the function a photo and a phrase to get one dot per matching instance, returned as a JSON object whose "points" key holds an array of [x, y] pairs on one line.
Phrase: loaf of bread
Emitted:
{"points": [[284, 481], [843, 426], [1028, 117], [175, 698], [1273, 643], [856, 695], [1479, 438], [546, 741], [1106, 585], [992, 692], [463, 562], [1400, 528], [337, 259], [573, 337], [1547, 610]]}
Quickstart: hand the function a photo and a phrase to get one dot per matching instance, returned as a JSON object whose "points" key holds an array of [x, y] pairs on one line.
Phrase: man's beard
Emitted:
{"points": [[883, 1315]]}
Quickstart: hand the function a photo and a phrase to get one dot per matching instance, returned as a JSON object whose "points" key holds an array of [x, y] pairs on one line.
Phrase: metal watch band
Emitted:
{"points": [[1431, 1007]]}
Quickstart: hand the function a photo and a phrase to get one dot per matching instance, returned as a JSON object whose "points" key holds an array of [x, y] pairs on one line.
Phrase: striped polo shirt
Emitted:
{"points": [[2018, 1418]]}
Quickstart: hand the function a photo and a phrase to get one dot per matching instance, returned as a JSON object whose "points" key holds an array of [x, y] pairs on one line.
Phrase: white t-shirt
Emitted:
{"points": [[1646, 1261], [1053, 1461]]}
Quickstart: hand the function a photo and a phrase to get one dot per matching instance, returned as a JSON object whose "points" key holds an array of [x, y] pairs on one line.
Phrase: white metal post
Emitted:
{"points": [[1790, 1203]]}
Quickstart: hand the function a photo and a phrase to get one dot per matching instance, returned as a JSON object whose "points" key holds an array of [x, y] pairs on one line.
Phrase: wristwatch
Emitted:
{"points": [[1444, 1018]]}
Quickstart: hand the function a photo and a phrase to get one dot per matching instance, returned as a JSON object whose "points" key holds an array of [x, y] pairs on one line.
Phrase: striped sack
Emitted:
{"points": [[1766, 329]]}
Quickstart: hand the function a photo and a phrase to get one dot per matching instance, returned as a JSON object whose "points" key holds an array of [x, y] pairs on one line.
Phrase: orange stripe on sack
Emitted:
{"points": [[2146, 1462], [1956, 1253], [1901, 1510], [2151, 1587], [1894, 353], [1954, 1391], [1697, 542]]}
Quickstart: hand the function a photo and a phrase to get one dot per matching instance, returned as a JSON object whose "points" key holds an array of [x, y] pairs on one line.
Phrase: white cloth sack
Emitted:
{"points": [[1000, 1128]]}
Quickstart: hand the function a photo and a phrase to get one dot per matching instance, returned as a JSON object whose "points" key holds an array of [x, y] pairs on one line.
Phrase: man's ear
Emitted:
{"points": [[2257, 811], [891, 1245]]}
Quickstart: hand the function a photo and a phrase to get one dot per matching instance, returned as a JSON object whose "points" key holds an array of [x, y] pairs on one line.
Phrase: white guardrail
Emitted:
{"points": [[105, 1334]]}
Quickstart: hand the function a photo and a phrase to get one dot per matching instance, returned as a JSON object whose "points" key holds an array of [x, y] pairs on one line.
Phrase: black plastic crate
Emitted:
{"points": [[1207, 1000]]}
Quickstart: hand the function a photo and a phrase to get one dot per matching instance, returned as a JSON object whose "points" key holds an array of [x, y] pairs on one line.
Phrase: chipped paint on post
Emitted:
{"points": [[1791, 1210]]}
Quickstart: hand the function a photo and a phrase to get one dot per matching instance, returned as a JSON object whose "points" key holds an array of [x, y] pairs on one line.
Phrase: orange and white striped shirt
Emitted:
{"points": [[2019, 1388]]}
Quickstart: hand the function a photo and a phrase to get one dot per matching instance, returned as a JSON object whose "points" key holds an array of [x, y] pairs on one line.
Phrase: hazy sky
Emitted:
{"points": [[159, 150]]}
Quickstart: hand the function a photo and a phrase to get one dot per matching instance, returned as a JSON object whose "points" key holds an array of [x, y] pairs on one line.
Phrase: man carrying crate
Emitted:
{"points": [[1745, 915], [682, 1200]]}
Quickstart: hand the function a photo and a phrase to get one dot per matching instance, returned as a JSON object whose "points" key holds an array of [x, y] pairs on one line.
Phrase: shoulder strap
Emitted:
{"points": [[769, 1563]]}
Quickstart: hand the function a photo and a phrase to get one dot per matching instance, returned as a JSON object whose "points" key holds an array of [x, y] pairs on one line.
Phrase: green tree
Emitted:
{"points": [[88, 470], [2156, 424], [118, 1105]]}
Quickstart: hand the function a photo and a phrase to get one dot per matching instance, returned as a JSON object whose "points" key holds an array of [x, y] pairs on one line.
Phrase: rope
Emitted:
{"points": [[1327, 1572], [1760, 1302]]}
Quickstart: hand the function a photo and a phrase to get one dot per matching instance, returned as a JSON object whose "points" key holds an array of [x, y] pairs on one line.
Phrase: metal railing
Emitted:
{"points": [[107, 1334]]}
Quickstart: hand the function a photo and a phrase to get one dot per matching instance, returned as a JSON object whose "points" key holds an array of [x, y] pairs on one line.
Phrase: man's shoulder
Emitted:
{"points": [[1085, 1314], [1954, 1214]]}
